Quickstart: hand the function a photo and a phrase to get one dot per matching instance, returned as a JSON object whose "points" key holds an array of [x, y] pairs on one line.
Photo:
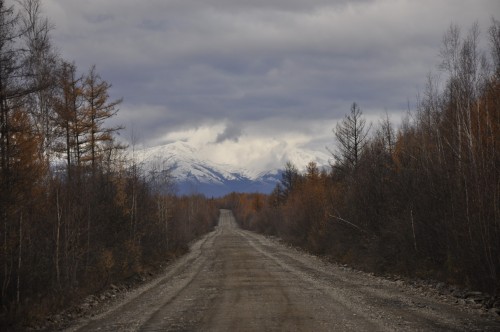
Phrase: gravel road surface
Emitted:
{"points": [[235, 280]]}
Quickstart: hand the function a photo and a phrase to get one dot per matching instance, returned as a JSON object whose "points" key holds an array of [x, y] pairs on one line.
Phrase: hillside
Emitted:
{"points": [[192, 174]]}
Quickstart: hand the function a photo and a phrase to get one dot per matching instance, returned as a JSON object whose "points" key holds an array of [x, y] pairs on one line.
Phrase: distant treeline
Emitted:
{"points": [[76, 214], [422, 200]]}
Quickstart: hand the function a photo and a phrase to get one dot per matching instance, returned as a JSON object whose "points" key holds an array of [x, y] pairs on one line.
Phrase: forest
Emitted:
{"points": [[77, 213], [421, 200]]}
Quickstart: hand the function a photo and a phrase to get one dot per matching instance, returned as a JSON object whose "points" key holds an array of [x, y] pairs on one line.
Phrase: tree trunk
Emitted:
{"points": [[58, 232], [19, 260]]}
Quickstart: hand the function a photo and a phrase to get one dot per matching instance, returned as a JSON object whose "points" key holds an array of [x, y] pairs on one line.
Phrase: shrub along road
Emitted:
{"points": [[235, 280]]}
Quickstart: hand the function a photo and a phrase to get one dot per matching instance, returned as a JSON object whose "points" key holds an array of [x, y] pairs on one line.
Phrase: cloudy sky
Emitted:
{"points": [[243, 79]]}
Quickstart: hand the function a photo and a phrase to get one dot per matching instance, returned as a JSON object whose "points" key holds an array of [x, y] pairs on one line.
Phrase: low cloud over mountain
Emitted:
{"points": [[193, 174]]}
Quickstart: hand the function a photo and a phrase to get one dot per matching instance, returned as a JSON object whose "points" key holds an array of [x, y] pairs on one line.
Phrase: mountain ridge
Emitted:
{"points": [[194, 174]]}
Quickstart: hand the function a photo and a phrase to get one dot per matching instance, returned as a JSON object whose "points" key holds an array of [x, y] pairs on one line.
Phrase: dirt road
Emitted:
{"points": [[234, 280]]}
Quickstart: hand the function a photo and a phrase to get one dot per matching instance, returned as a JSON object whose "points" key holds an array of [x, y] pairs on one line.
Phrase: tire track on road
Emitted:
{"points": [[375, 298], [137, 308], [238, 280]]}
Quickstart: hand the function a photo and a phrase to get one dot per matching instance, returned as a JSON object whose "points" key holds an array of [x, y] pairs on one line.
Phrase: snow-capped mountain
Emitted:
{"points": [[193, 174]]}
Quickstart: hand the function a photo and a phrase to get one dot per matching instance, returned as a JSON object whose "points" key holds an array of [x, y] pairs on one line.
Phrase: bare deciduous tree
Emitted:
{"points": [[352, 136]]}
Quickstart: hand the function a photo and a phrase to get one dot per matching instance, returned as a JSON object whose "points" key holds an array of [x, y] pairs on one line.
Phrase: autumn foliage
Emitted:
{"points": [[422, 200], [76, 213]]}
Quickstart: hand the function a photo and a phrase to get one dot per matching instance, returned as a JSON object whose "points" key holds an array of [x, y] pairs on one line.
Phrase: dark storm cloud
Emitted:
{"points": [[230, 133], [183, 64]]}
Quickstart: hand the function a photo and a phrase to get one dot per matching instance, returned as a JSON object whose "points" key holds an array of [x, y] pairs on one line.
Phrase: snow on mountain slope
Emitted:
{"points": [[196, 175], [300, 158]]}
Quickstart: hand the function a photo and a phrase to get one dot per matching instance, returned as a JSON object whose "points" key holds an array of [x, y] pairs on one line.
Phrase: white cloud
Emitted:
{"points": [[199, 136], [259, 147]]}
